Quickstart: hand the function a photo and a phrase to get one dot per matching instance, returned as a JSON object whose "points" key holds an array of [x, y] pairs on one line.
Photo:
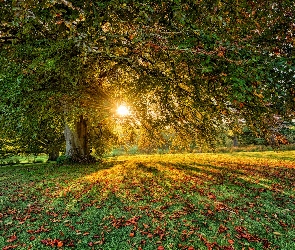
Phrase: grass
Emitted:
{"points": [[13, 160], [181, 201]]}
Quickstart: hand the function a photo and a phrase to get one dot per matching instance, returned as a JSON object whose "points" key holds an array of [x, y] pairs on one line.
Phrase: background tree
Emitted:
{"points": [[192, 65]]}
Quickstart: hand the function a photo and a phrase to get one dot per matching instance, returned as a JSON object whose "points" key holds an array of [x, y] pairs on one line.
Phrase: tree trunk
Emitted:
{"points": [[53, 154], [76, 140], [235, 141]]}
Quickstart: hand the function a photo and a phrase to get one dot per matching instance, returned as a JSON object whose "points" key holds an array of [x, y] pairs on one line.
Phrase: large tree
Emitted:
{"points": [[193, 65]]}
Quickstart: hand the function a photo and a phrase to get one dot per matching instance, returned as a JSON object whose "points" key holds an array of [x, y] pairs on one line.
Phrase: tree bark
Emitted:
{"points": [[235, 141], [76, 139], [53, 154]]}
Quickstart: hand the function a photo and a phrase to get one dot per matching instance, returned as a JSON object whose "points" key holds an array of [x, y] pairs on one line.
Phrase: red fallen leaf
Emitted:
{"points": [[39, 230], [32, 238], [231, 242], [211, 196], [240, 229], [52, 243], [190, 248], [46, 242], [230, 248], [222, 228], [131, 234], [210, 245], [243, 233], [71, 244], [220, 206], [265, 243], [283, 224], [60, 244], [100, 242], [90, 244], [12, 238], [9, 247], [132, 221], [161, 248], [209, 212], [150, 235]]}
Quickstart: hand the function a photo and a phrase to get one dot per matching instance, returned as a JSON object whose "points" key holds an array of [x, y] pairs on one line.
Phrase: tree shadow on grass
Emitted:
{"points": [[148, 169], [52, 179], [269, 156], [249, 176]]}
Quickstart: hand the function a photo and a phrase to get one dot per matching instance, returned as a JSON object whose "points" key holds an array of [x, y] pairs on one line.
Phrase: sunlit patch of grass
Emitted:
{"points": [[175, 201]]}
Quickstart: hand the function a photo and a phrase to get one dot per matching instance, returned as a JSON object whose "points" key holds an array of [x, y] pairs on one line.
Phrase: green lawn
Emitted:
{"points": [[185, 201]]}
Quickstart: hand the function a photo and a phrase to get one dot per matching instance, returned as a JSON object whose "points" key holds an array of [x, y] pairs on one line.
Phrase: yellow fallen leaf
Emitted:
{"points": [[277, 233]]}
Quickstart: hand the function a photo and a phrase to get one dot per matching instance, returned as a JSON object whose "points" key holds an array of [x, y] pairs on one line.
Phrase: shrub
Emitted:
{"points": [[63, 159], [82, 159], [38, 161], [10, 162]]}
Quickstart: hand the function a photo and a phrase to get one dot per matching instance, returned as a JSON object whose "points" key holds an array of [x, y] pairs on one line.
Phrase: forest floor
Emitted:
{"points": [[180, 201]]}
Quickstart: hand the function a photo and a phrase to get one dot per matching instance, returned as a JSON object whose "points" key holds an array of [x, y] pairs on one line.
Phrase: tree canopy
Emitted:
{"points": [[194, 66]]}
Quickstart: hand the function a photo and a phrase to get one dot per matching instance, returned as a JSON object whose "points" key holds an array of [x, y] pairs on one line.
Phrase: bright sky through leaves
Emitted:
{"points": [[123, 110]]}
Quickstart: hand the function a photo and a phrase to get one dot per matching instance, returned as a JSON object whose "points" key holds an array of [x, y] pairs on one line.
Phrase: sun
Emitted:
{"points": [[122, 110]]}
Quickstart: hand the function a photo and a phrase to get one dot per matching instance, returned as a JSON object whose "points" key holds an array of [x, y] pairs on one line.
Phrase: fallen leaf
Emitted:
{"points": [[60, 244], [52, 243], [161, 248], [9, 247], [209, 212], [12, 238], [243, 233], [231, 242], [131, 234], [150, 235], [71, 244], [222, 228], [277, 233], [265, 243], [32, 238], [211, 196]]}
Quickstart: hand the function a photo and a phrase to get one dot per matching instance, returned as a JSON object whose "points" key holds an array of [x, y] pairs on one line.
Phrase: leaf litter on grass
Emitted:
{"points": [[184, 201]]}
